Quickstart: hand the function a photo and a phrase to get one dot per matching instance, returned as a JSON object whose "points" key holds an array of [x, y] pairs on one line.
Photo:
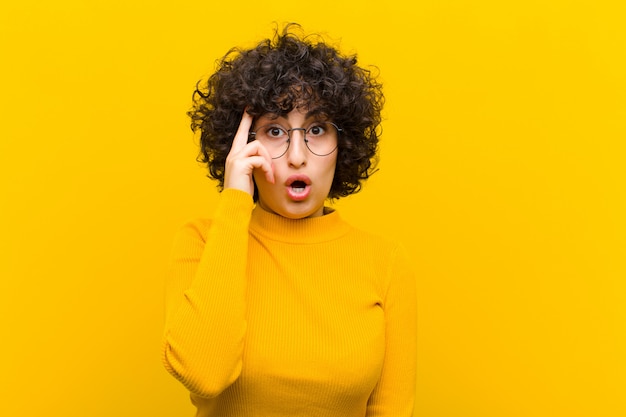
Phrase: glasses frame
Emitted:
{"points": [[252, 136]]}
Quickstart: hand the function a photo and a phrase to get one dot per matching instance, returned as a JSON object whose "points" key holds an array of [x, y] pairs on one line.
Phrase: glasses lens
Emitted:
{"points": [[274, 138], [321, 138]]}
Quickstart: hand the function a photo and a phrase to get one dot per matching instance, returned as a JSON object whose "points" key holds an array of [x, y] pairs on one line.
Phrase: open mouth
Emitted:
{"points": [[298, 186]]}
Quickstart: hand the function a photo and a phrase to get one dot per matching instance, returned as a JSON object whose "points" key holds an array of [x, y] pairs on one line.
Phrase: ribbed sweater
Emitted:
{"points": [[272, 317]]}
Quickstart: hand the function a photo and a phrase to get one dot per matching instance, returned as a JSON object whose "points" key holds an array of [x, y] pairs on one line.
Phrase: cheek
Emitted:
{"points": [[260, 182], [332, 166], [259, 177], [328, 174]]}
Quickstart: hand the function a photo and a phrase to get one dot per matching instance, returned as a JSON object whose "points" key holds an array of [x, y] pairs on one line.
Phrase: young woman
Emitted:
{"points": [[275, 306]]}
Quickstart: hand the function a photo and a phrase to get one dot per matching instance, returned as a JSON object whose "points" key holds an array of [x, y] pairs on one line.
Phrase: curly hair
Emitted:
{"points": [[278, 75]]}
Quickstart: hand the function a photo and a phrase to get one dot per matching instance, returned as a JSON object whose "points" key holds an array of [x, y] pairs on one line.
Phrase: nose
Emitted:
{"points": [[297, 152]]}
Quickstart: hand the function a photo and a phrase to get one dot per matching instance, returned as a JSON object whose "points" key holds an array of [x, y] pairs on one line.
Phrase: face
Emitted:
{"points": [[302, 179]]}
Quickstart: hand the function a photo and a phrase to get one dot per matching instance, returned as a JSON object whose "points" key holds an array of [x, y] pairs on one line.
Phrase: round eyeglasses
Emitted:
{"points": [[320, 138]]}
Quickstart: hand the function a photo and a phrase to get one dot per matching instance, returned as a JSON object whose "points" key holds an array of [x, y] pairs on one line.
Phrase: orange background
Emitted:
{"points": [[502, 172]]}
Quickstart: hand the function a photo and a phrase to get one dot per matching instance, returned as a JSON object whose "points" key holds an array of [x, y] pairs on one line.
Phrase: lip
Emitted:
{"points": [[302, 195], [298, 177]]}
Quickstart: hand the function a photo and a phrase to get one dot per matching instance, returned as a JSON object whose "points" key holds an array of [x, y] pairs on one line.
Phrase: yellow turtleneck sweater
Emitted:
{"points": [[272, 317]]}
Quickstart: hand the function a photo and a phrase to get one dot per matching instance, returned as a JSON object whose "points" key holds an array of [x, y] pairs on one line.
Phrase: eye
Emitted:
{"points": [[275, 132], [317, 130]]}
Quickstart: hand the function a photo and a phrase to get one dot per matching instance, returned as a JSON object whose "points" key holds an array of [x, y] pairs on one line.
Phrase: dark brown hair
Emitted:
{"points": [[279, 75]]}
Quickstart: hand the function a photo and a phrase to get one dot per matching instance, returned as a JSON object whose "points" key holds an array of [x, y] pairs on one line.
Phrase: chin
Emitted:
{"points": [[294, 211], [301, 213]]}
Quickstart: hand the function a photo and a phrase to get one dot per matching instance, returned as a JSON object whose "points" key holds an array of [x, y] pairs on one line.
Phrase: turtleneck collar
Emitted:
{"points": [[311, 230]]}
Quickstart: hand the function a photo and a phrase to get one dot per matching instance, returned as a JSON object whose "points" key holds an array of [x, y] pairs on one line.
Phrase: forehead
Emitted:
{"points": [[297, 114]]}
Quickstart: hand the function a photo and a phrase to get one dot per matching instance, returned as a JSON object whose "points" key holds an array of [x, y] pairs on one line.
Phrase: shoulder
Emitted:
{"points": [[233, 207], [190, 238], [194, 229], [380, 253], [370, 241], [387, 264]]}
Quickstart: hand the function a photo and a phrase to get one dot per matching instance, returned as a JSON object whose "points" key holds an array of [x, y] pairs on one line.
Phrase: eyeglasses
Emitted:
{"points": [[320, 138]]}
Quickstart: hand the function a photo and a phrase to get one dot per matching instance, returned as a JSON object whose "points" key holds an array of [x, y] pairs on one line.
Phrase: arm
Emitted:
{"points": [[205, 299], [394, 395], [205, 303]]}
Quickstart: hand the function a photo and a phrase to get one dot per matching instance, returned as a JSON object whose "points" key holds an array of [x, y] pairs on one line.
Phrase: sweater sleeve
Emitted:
{"points": [[394, 395], [205, 299]]}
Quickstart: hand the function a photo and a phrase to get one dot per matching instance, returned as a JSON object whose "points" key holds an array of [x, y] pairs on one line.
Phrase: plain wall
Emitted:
{"points": [[502, 172]]}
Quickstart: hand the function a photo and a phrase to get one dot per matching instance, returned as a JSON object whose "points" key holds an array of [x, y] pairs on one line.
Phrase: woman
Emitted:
{"points": [[276, 306]]}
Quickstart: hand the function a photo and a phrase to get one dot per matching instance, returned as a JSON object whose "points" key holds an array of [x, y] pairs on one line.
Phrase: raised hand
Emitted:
{"points": [[244, 158]]}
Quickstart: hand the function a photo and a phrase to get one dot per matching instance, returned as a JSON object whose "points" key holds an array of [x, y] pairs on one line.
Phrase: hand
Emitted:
{"points": [[244, 158]]}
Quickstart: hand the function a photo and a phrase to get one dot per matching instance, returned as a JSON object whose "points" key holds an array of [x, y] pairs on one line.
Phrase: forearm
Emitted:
{"points": [[205, 324]]}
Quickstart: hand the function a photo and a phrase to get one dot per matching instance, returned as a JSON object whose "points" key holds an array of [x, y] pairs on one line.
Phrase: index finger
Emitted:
{"points": [[241, 137]]}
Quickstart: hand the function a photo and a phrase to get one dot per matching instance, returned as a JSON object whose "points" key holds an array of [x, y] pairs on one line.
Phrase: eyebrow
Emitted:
{"points": [[313, 112], [319, 111]]}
